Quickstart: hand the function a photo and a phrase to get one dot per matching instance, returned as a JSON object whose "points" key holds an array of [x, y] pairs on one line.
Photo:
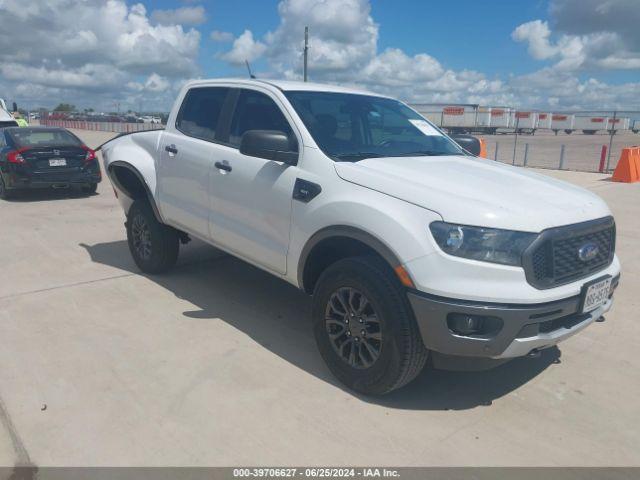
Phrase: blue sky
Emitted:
{"points": [[551, 54], [465, 34]]}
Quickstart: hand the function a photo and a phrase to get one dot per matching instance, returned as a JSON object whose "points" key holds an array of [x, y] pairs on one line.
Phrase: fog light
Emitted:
{"points": [[463, 324], [467, 325]]}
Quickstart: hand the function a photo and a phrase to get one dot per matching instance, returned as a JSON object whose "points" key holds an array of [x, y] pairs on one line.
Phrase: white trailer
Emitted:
{"points": [[432, 113], [459, 118], [636, 126], [590, 125], [483, 122], [621, 123], [524, 121], [500, 118], [562, 121], [544, 120]]}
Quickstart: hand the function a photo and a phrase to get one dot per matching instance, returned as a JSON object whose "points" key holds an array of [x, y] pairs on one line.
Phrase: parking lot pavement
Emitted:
{"points": [[214, 363], [581, 152]]}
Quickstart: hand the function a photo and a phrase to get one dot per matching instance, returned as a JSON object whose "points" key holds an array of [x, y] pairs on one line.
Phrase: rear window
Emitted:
{"points": [[200, 111], [28, 137]]}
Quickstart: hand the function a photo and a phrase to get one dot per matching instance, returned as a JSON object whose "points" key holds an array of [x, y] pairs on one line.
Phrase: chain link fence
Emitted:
{"points": [[590, 141]]}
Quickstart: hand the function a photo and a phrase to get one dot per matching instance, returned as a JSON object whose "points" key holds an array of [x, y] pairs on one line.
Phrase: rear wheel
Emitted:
{"points": [[365, 328], [90, 189], [153, 245], [5, 194]]}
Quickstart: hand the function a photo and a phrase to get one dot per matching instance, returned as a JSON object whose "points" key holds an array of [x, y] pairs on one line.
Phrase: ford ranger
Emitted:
{"points": [[410, 245]]}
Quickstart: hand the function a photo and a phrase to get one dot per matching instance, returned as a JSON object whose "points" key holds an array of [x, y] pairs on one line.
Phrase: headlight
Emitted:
{"points": [[484, 244]]}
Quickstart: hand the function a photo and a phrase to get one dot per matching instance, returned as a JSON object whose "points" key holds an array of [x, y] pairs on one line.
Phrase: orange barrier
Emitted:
{"points": [[628, 168], [483, 148]]}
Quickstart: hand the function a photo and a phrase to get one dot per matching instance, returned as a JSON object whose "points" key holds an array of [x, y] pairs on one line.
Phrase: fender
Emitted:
{"points": [[124, 190], [345, 231]]}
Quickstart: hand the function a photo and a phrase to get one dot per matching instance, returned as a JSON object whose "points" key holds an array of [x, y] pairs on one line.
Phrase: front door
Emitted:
{"points": [[251, 197]]}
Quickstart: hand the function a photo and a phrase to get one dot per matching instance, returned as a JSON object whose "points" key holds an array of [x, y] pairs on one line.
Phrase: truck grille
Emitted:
{"points": [[554, 257]]}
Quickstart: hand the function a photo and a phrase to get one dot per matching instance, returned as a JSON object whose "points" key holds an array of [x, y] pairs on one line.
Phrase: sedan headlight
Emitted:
{"points": [[483, 244]]}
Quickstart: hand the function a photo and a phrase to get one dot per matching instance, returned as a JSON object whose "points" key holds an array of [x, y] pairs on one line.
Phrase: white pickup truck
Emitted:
{"points": [[410, 245]]}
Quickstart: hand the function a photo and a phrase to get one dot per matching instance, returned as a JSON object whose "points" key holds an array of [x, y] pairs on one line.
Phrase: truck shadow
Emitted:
{"points": [[276, 315]]}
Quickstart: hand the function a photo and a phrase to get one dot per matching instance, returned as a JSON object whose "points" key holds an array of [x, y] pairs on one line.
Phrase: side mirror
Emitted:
{"points": [[270, 145], [470, 143], [15, 107]]}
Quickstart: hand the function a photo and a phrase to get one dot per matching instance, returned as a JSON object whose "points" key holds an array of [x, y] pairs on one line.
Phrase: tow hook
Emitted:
{"points": [[535, 353]]}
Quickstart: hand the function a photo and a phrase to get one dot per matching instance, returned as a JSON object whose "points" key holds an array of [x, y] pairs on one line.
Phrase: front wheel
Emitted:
{"points": [[365, 328], [153, 245]]}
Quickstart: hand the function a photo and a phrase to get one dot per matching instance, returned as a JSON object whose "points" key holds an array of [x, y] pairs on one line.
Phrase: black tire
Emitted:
{"points": [[90, 189], [401, 352], [4, 193], [153, 245]]}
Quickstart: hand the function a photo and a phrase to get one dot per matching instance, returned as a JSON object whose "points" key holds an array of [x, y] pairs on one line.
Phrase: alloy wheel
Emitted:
{"points": [[353, 327], [141, 236]]}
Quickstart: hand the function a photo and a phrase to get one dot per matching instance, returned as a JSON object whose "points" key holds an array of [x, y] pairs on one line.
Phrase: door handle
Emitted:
{"points": [[171, 149], [223, 166]]}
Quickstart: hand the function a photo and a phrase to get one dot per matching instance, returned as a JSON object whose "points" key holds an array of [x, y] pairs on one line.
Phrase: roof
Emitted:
{"points": [[286, 85]]}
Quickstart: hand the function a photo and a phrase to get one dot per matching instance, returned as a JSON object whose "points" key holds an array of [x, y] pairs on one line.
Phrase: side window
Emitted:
{"points": [[200, 111], [256, 111]]}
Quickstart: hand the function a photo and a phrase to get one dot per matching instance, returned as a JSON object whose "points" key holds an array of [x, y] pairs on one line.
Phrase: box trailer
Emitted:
{"points": [[590, 125], [621, 123], [456, 118], [500, 118], [524, 122], [459, 118], [433, 113], [483, 122], [562, 121], [544, 121]]}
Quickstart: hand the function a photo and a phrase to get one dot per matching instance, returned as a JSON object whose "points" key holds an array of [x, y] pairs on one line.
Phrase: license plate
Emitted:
{"points": [[58, 162], [596, 294]]}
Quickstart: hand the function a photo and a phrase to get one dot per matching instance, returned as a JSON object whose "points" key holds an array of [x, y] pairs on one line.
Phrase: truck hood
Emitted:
{"points": [[473, 191]]}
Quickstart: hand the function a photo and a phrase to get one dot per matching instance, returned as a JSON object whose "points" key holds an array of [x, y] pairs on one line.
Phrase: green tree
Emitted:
{"points": [[65, 107]]}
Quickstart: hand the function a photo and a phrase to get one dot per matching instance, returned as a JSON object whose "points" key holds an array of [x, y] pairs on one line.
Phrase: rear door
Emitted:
{"points": [[251, 197], [187, 152]]}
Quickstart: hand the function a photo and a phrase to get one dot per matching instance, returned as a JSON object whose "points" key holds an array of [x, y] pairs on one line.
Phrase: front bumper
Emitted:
{"points": [[525, 327]]}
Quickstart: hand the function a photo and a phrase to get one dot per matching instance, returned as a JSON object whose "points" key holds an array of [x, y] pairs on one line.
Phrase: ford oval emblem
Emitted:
{"points": [[588, 251]]}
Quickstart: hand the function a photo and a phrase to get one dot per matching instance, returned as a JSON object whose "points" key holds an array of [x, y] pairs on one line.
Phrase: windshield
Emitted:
{"points": [[43, 137], [351, 127]]}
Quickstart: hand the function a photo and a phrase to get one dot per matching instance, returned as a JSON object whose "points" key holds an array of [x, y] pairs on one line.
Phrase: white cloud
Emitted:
{"points": [[182, 16], [219, 36], [591, 34], [115, 45], [244, 48], [537, 34]]}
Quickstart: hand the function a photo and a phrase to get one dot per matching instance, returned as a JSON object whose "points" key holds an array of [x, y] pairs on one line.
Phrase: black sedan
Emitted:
{"points": [[45, 157]]}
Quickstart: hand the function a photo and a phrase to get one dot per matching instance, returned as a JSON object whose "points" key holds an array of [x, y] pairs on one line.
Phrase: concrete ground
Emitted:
{"points": [[214, 363], [581, 152]]}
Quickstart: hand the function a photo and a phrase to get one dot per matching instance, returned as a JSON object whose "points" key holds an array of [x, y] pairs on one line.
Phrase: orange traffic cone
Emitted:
{"points": [[628, 166], [483, 148]]}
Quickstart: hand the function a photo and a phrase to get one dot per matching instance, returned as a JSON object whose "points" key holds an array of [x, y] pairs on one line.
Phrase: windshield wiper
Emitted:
{"points": [[426, 153], [358, 155]]}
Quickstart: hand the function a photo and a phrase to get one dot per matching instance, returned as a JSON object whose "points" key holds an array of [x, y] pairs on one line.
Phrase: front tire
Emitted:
{"points": [[365, 328], [153, 245]]}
